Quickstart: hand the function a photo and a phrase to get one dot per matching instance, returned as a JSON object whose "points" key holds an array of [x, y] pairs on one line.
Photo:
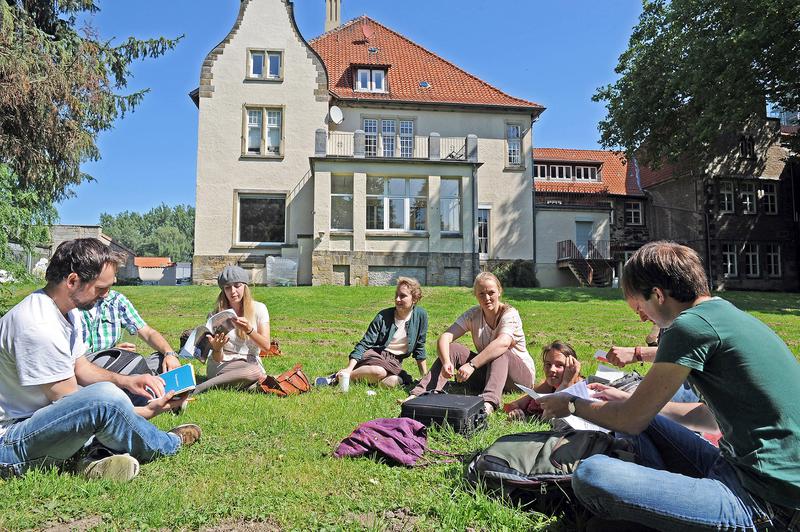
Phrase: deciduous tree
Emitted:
{"points": [[697, 68]]}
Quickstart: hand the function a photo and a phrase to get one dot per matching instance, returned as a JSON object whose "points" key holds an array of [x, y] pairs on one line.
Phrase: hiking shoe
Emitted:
{"points": [[117, 467], [188, 433]]}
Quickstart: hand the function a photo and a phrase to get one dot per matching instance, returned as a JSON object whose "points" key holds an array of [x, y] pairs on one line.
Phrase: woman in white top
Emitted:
{"points": [[234, 360], [502, 358]]}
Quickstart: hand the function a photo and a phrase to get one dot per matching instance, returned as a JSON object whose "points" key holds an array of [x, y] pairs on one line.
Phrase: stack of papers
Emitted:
{"points": [[579, 390]]}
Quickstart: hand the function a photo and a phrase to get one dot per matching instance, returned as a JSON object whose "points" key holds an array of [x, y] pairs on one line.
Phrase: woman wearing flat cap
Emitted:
{"points": [[234, 360]]}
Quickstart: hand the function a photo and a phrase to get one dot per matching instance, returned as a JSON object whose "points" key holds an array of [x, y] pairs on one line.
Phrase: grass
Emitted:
{"points": [[265, 462]]}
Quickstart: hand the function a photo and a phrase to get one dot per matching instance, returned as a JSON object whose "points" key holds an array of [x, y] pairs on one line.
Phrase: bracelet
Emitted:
{"points": [[637, 353], [250, 331], [168, 353], [471, 364]]}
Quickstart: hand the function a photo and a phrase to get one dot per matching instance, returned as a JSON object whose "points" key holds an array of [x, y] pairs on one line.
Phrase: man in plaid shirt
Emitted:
{"points": [[104, 323]]}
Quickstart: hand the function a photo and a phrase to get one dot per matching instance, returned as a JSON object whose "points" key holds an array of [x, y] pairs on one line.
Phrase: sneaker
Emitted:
{"points": [[117, 467], [325, 381], [188, 433]]}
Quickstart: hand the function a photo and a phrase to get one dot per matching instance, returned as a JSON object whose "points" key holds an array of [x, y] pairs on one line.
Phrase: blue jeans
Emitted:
{"points": [[681, 483], [58, 431]]}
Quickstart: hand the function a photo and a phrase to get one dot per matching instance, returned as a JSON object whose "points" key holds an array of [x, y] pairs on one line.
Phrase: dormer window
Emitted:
{"points": [[265, 64], [371, 80], [586, 173]]}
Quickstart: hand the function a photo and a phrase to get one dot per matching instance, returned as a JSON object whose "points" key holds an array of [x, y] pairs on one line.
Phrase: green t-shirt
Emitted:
{"points": [[751, 381]]}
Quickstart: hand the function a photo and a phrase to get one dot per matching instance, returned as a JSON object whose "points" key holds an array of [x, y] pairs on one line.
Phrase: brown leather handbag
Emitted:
{"points": [[290, 382]]}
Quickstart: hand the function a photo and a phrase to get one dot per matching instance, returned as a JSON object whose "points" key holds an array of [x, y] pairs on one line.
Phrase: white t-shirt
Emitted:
{"points": [[38, 345], [510, 323], [244, 348], [398, 345]]}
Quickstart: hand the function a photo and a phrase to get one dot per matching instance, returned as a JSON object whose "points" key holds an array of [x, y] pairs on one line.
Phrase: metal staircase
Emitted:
{"points": [[592, 267]]}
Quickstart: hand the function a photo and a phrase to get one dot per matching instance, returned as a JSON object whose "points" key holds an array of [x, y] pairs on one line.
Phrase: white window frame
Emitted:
{"points": [[406, 139], [565, 170], [342, 195], [540, 171], [772, 260], [752, 267], [484, 254], [586, 173], [268, 57], [388, 137], [386, 199], [370, 126], [267, 124], [372, 76], [243, 194], [449, 198], [726, 198], [769, 192], [513, 145], [730, 265], [635, 209], [747, 195]]}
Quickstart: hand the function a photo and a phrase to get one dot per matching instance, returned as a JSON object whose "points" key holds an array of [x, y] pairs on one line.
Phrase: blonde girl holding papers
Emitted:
{"points": [[234, 360]]}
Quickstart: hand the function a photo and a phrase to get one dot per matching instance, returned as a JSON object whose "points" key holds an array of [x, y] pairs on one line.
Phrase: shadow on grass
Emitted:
{"points": [[563, 294]]}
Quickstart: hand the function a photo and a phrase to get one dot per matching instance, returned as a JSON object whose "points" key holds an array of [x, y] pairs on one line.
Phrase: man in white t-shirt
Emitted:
{"points": [[52, 400]]}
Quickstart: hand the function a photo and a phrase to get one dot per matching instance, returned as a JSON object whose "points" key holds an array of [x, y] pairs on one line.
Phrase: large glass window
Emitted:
{"points": [[514, 145], [772, 260], [751, 264], [396, 203], [263, 131], [729, 265], [388, 136], [262, 218], [450, 205], [370, 137], [725, 196], [406, 138], [770, 199], [342, 202], [747, 193]]}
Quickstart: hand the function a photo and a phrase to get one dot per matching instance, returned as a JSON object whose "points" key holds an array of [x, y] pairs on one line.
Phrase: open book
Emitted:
{"points": [[581, 391], [196, 345], [179, 380]]}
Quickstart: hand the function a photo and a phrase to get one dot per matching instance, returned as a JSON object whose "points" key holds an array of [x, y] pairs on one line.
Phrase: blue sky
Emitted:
{"points": [[555, 53]]}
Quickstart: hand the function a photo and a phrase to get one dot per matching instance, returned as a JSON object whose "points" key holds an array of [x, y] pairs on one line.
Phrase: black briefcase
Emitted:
{"points": [[464, 413]]}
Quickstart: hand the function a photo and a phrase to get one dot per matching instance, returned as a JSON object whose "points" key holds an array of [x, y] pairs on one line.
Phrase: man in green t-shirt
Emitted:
{"points": [[750, 383]]}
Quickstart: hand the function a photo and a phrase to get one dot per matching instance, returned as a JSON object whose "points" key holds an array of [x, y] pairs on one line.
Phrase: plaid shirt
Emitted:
{"points": [[103, 324]]}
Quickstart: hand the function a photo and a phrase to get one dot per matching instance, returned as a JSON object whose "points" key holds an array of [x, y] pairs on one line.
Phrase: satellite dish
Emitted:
{"points": [[336, 115], [367, 29]]}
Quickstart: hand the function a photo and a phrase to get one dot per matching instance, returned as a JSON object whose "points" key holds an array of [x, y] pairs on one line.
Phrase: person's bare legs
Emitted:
{"points": [[370, 374]]}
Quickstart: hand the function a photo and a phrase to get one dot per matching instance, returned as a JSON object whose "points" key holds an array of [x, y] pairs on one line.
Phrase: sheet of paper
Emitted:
{"points": [[609, 373], [581, 390], [601, 355]]}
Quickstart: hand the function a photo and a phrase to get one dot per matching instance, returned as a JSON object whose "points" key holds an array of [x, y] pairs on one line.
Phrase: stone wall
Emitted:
{"points": [[439, 268]]}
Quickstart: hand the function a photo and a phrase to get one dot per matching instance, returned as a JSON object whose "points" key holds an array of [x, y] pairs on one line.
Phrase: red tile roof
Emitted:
{"points": [[618, 177], [408, 64], [649, 177], [152, 262], [789, 130]]}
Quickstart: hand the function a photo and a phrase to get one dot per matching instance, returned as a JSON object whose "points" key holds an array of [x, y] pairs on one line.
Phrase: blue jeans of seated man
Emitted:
{"points": [[58, 431], [681, 483]]}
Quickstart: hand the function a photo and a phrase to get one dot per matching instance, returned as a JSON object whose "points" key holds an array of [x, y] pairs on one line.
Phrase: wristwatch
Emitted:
{"points": [[571, 404], [168, 353], [471, 364]]}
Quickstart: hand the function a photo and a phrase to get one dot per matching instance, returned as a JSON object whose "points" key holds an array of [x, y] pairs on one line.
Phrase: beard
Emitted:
{"points": [[81, 304]]}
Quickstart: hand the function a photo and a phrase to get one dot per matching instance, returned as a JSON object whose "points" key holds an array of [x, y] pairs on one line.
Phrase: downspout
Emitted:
{"points": [[476, 261], [708, 236], [534, 119]]}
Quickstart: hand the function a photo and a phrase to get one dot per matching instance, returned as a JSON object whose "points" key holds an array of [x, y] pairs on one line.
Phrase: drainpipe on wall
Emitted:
{"points": [[534, 119], [708, 235]]}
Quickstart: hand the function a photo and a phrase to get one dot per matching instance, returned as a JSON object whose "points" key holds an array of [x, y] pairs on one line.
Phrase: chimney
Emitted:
{"points": [[333, 14]]}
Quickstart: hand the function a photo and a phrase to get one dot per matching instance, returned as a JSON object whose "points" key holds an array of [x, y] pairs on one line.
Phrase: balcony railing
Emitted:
{"points": [[359, 145], [590, 249]]}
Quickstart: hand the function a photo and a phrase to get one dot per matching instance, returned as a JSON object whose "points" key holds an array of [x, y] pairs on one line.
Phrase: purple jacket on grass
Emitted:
{"points": [[399, 440]]}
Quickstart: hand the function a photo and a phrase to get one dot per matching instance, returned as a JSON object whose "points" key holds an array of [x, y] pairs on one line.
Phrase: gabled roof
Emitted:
{"points": [[152, 262], [618, 176], [346, 48]]}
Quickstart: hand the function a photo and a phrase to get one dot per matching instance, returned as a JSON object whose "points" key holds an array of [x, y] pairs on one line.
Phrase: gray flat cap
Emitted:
{"points": [[233, 274]]}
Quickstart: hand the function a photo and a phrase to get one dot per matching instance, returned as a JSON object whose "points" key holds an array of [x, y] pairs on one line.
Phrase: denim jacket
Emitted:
{"points": [[382, 329]]}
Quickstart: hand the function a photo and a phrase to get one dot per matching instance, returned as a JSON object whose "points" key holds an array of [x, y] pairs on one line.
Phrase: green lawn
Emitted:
{"points": [[265, 462]]}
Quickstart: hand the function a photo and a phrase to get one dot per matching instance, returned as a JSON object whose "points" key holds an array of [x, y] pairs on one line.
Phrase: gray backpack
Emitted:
{"points": [[534, 469]]}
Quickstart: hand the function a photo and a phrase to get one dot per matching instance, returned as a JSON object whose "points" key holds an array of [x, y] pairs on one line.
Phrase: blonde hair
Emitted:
{"points": [[248, 309], [484, 276], [413, 287]]}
